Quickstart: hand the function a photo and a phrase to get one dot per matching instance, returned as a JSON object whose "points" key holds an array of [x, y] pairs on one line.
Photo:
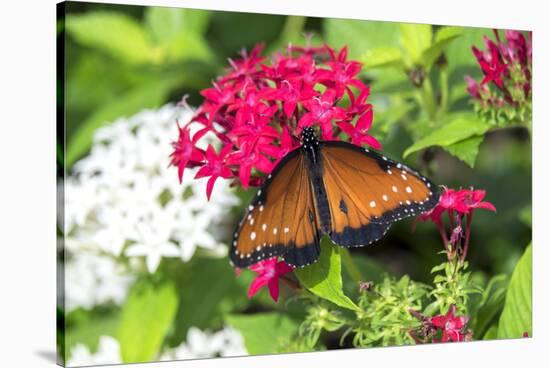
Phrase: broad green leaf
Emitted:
{"points": [[264, 333], [117, 34], [516, 318], [415, 39], [382, 57], [492, 333], [443, 37], [146, 317], [324, 277], [186, 46], [360, 35], [146, 96], [491, 304], [458, 129], [164, 23], [466, 150]]}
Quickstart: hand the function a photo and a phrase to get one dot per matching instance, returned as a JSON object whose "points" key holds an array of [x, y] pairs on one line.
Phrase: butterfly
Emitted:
{"points": [[349, 193]]}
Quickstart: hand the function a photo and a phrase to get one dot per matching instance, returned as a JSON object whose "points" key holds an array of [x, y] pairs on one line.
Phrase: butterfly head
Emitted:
{"points": [[309, 138]]}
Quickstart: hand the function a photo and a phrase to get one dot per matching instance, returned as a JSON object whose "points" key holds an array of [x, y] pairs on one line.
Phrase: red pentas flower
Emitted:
{"points": [[214, 168], [257, 109], [463, 201], [269, 272], [185, 152], [460, 206], [452, 326]]}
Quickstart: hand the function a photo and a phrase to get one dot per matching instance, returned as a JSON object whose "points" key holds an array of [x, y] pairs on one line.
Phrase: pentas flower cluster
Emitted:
{"points": [[504, 93], [259, 107], [441, 328], [459, 205], [268, 274]]}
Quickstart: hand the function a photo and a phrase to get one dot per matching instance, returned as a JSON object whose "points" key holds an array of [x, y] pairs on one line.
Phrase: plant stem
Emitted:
{"points": [[444, 87], [428, 99], [292, 28], [467, 236]]}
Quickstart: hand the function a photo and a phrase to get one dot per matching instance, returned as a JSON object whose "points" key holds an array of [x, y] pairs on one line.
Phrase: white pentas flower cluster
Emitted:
{"points": [[204, 344], [199, 344], [124, 201]]}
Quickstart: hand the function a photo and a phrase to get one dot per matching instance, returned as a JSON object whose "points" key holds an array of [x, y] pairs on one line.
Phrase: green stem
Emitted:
{"points": [[351, 266], [428, 99], [444, 86], [291, 30]]}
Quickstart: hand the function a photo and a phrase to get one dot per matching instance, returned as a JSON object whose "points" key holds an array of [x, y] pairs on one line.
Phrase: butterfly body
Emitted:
{"points": [[331, 188]]}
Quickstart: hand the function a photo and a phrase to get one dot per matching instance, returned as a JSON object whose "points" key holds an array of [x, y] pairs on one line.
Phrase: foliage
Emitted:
{"points": [[145, 319], [516, 318], [324, 277]]}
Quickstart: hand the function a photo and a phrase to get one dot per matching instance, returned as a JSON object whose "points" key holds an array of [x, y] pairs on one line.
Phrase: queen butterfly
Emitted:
{"points": [[351, 194]]}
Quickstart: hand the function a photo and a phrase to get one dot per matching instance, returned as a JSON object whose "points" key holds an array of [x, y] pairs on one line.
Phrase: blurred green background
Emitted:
{"points": [[122, 59]]}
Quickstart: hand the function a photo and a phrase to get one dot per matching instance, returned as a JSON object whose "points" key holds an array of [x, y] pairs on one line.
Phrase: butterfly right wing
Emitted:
{"points": [[367, 192], [281, 219]]}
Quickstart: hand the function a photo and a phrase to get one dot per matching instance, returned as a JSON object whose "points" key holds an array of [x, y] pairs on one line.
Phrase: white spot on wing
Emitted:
{"points": [[372, 204], [252, 235]]}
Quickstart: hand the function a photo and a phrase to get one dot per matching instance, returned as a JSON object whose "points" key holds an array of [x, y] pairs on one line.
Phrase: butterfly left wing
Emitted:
{"points": [[281, 220], [367, 192]]}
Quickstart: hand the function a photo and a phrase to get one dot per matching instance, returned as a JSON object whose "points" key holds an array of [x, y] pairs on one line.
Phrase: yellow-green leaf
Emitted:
{"points": [[443, 37], [264, 333], [466, 150], [324, 277], [114, 33], [460, 128], [381, 57], [415, 39], [146, 317], [516, 318]]}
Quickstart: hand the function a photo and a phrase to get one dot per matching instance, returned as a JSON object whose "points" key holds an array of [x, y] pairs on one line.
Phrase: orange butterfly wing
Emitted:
{"points": [[281, 220], [367, 192]]}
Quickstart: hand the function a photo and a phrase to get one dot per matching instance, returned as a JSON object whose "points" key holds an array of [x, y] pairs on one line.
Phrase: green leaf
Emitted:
{"points": [[443, 37], [415, 39], [117, 34], [186, 46], [382, 57], [324, 277], [146, 317], [490, 304], [492, 333], [264, 333], [466, 150], [164, 23], [146, 96], [178, 33], [516, 318], [360, 35], [459, 128]]}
